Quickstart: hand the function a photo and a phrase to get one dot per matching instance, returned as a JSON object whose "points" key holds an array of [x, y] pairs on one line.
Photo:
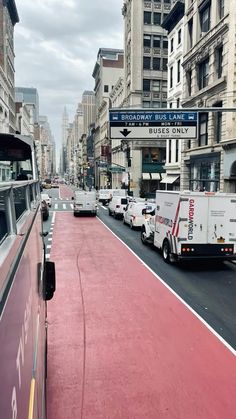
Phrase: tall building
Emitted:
{"points": [[88, 109], [107, 70], [145, 57], [8, 18], [174, 25], [209, 64]]}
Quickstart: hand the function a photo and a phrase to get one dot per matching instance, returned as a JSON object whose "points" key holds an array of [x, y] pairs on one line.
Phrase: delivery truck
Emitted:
{"points": [[85, 202], [190, 225]]}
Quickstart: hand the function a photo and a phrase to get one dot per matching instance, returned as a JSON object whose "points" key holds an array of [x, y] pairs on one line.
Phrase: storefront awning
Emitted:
{"points": [[155, 176], [169, 178], [151, 176]]}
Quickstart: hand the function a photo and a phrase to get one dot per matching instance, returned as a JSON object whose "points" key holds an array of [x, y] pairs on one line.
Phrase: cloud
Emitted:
{"points": [[56, 45]]}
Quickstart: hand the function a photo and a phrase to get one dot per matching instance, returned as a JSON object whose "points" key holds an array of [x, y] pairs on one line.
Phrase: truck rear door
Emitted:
{"points": [[221, 219]]}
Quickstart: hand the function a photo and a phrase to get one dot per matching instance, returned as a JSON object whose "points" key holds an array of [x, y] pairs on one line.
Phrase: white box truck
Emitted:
{"points": [[190, 225], [85, 202]]}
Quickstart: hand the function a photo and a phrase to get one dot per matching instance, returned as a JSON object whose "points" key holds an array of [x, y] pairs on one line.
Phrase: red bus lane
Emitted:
{"points": [[121, 344]]}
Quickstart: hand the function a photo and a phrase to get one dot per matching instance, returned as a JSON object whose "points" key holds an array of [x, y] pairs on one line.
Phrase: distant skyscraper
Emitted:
{"points": [[65, 126], [88, 108]]}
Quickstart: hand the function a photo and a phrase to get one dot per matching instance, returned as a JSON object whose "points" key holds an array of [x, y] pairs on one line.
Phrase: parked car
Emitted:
{"points": [[117, 206], [47, 198], [45, 210], [134, 216]]}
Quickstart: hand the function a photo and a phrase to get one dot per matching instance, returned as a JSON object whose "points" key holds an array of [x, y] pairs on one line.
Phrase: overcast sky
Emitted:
{"points": [[56, 45]]}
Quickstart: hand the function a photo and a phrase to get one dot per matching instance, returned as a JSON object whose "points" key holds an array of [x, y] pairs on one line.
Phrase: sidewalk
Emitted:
{"points": [[121, 345]]}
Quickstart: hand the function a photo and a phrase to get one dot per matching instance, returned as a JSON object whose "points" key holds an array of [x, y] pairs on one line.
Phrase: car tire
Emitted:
{"points": [[143, 236], [166, 251], [109, 212]]}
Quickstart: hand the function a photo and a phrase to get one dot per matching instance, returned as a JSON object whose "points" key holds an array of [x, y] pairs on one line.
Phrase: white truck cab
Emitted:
{"points": [[191, 225]]}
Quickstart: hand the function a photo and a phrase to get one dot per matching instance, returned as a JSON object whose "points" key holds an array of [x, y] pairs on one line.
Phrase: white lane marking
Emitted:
{"points": [[59, 194], [49, 246], [64, 206], [71, 205], [47, 256], [53, 217], [210, 328], [56, 206], [49, 239], [105, 208], [56, 199]]}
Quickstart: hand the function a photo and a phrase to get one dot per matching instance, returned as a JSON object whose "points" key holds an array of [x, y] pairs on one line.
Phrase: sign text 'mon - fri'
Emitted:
{"points": [[153, 124]]}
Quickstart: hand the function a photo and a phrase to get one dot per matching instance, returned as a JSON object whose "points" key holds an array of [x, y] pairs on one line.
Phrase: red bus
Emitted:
{"points": [[27, 281]]}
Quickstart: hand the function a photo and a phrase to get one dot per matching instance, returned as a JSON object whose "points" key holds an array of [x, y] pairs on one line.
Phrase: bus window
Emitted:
{"points": [[3, 220], [20, 201]]}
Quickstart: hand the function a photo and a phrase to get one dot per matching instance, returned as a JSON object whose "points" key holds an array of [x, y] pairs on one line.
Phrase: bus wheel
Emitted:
{"points": [[166, 251]]}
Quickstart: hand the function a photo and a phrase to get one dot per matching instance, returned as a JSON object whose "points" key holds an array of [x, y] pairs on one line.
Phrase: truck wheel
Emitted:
{"points": [[143, 236], [166, 251]]}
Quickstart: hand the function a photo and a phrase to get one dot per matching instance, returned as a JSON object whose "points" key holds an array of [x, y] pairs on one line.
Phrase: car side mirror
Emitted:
{"points": [[49, 280]]}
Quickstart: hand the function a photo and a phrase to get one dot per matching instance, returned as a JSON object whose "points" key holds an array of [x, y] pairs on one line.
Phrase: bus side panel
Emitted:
{"points": [[19, 331]]}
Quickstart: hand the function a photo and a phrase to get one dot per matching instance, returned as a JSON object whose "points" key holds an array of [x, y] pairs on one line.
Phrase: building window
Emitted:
{"points": [[106, 88], [147, 18], [169, 151], [171, 44], [171, 77], [221, 8], [179, 36], [189, 81], [203, 129], [156, 63], [156, 41], [146, 85], [205, 173], [177, 151], [164, 64], [156, 84], [156, 104], [147, 41], [218, 123], [203, 74], [190, 32], [219, 62], [204, 15], [164, 104], [177, 102], [164, 86], [146, 63], [170, 105], [178, 70], [165, 44], [146, 104], [156, 18]]}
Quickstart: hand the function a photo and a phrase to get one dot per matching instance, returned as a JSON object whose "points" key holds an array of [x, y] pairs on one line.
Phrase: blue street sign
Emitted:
{"points": [[151, 116]]}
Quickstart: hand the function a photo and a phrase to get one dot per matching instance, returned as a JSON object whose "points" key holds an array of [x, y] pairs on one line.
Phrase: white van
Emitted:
{"points": [[133, 215], [105, 195], [117, 206], [85, 202]]}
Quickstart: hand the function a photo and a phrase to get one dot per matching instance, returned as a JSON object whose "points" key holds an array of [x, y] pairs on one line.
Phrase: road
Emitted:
{"points": [[209, 289]]}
